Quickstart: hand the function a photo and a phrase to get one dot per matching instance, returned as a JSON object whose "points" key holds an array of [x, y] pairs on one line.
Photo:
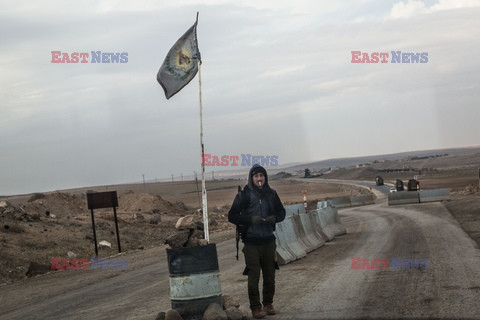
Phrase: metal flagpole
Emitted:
{"points": [[204, 190]]}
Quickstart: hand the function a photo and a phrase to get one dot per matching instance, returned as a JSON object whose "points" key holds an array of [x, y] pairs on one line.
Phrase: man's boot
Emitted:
{"points": [[258, 313], [269, 310]]}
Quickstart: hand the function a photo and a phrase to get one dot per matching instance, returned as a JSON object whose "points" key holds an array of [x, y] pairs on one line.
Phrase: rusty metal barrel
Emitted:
{"points": [[194, 280]]}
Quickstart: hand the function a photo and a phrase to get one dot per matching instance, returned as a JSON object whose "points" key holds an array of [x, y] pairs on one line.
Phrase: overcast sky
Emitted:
{"points": [[277, 79]]}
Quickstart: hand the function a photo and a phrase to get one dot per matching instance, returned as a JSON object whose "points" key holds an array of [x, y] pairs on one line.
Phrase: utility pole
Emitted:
{"points": [[143, 175]]}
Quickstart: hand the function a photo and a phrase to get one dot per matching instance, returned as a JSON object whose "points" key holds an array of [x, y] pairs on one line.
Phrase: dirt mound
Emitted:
{"points": [[281, 175], [57, 203], [146, 202], [468, 190]]}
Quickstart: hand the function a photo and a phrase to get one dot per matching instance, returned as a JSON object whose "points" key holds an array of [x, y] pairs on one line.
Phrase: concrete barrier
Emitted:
{"points": [[431, 195], [322, 204], [284, 253], [340, 228], [292, 209], [329, 223], [333, 221], [346, 202], [403, 197], [301, 234], [340, 202], [318, 226], [361, 200], [291, 241], [327, 229], [308, 225]]}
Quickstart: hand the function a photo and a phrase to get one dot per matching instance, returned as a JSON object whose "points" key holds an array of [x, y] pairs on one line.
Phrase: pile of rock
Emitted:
{"points": [[9, 211], [189, 233], [231, 310]]}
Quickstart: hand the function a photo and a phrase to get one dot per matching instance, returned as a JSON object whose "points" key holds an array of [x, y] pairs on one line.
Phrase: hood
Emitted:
{"points": [[255, 168]]}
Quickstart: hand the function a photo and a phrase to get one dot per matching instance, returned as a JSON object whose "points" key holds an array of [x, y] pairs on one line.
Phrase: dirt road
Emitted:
{"points": [[322, 285]]}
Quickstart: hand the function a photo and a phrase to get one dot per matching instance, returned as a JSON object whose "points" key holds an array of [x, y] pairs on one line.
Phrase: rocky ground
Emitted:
{"points": [[59, 225], [37, 227], [465, 207]]}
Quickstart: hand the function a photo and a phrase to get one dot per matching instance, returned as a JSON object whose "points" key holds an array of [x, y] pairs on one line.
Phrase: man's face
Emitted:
{"points": [[259, 179]]}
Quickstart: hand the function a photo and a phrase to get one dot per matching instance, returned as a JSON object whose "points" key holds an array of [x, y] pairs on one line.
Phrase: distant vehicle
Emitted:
{"points": [[379, 181], [413, 185], [393, 189], [399, 185]]}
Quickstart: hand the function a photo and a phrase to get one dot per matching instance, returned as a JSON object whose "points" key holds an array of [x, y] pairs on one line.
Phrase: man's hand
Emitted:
{"points": [[271, 219], [256, 219]]}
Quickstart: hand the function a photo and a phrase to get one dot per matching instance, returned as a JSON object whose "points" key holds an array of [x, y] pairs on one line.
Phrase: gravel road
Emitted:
{"points": [[323, 285]]}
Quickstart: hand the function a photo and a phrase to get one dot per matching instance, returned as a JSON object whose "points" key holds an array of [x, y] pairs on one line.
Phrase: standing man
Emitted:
{"points": [[256, 210]]}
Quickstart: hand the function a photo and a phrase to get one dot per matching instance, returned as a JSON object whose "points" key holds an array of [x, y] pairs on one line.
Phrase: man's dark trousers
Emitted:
{"points": [[260, 257]]}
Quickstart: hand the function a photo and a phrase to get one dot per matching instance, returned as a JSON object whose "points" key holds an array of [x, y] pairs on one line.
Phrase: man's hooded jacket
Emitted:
{"points": [[263, 202]]}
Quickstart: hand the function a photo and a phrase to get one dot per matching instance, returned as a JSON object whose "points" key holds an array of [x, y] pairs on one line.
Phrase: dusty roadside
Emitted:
{"points": [[465, 208], [37, 227]]}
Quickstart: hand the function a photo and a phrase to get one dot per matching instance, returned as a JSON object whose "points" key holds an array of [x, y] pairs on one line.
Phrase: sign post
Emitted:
{"points": [[98, 200]]}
